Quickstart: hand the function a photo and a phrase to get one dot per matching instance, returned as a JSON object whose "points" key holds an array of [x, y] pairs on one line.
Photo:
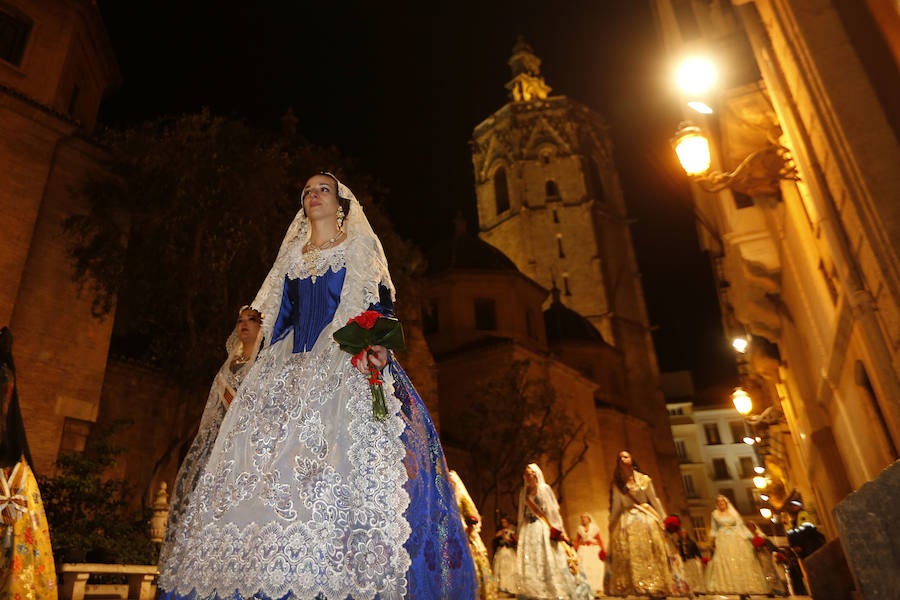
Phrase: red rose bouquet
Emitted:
{"points": [[672, 523], [357, 337], [758, 541]]}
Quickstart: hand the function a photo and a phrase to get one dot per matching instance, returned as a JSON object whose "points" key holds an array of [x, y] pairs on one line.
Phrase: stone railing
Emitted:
{"points": [[75, 581]]}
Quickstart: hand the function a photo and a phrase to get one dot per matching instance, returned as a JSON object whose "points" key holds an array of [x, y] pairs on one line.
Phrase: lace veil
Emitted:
{"points": [[545, 499]]}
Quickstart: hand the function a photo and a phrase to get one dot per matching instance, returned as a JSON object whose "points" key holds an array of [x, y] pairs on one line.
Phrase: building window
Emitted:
{"points": [[566, 290], [737, 431], [741, 200], [747, 464], [596, 181], [551, 190], [501, 191], [485, 314], [14, 31], [529, 324], [720, 469], [688, 481], [699, 524], [555, 217], [680, 448], [430, 318], [559, 246], [829, 281], [712, 434], [74, 435], [674, 412], [729, 493]]}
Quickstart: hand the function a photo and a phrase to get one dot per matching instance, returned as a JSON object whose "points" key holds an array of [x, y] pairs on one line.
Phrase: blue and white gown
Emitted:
{"points": [[306, 495]]}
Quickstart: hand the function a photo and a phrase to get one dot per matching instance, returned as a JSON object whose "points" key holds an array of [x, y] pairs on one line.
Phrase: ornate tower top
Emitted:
{"points": [[527, 83]]}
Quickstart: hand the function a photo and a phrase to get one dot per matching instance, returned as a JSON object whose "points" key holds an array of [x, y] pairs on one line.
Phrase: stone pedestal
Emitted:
{"points": [[869, 526]]}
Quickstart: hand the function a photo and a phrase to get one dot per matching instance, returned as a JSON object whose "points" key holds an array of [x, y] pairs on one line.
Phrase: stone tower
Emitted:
{"points": [[550, 199]]}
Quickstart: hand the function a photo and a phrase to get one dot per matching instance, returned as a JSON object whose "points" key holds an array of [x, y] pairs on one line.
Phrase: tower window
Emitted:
{"points": [[501, 191], [555, 217], [559, 245], [596, 181], [485, 314], [566, 289], [551, 190], [14, 31]]}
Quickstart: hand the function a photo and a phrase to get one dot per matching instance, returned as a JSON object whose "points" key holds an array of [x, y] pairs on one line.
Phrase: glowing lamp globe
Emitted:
{"points": [[692, 149], [760, 482], [766, 513], [742, 401]]}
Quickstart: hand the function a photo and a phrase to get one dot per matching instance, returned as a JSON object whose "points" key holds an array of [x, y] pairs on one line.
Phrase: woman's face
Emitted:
{"points": [[319, 197], [504, 522], [248, 325], [585, 520], [721, 503], [625, 458], [530, 477]]}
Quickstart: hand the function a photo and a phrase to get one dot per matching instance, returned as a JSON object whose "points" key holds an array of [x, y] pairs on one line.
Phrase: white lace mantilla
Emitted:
{"points": [[304, 492], [317, 264]]}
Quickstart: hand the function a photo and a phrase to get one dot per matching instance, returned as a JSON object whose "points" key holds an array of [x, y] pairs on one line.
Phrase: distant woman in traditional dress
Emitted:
{"points": [[733, 568], [242, 347], [545, 570], [504, 566], [487, 588], [640, 556], [591, 552], [27, 571]]}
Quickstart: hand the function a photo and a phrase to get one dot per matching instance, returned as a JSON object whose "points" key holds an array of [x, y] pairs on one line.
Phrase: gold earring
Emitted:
{"points": [[340, 216]]}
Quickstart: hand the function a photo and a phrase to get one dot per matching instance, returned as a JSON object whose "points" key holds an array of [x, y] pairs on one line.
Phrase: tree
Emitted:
{"points": [[87, 510], [185, 222], [518, 420]]}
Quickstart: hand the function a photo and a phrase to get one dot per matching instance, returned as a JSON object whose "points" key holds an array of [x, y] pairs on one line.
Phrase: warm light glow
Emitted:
{"points": [[692, 149], [766, 513], [701, 107], [749, 440], [740, 344], [759, 470], [764, 497], [760, 482], [695, 75], [742, 401]]}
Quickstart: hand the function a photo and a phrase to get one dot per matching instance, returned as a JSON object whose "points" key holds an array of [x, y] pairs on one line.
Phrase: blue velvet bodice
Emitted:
{"points": [[309, 304]]}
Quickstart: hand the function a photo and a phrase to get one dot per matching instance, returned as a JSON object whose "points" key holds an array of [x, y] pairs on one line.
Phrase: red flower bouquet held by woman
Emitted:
{"points": [[357, 337]]}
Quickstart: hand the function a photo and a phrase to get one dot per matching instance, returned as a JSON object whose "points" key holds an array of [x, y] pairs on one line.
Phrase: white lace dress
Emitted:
{"points": [[304, 492]]}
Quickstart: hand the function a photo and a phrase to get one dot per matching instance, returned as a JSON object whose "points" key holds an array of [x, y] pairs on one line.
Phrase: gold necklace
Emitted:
{"points": [[312, 252]]}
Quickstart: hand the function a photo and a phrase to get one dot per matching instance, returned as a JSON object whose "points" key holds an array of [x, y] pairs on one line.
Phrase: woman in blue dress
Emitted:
{"points": [[306, 494]]}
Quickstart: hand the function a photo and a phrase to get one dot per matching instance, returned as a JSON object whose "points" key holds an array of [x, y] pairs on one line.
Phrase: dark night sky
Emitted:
{"points": [[400, 86]]}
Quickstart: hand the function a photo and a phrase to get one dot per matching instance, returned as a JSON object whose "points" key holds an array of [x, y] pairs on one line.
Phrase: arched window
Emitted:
{"points": [[551, 189], [501, 191]]}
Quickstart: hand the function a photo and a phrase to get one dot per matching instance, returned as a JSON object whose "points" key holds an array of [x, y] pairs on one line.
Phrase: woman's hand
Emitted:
{"points": [[377, 356]]}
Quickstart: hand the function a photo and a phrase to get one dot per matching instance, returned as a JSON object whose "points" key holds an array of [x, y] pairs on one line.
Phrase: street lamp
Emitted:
{"points": [[758, 174], [742, 401]]}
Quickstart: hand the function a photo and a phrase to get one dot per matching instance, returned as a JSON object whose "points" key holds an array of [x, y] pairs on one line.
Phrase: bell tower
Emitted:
{"points": [[549, 198]]}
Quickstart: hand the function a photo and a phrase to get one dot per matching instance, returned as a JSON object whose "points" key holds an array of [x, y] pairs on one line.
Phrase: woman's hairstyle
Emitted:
{"points": [[619, 478], [342, 201], [256, 313]]}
